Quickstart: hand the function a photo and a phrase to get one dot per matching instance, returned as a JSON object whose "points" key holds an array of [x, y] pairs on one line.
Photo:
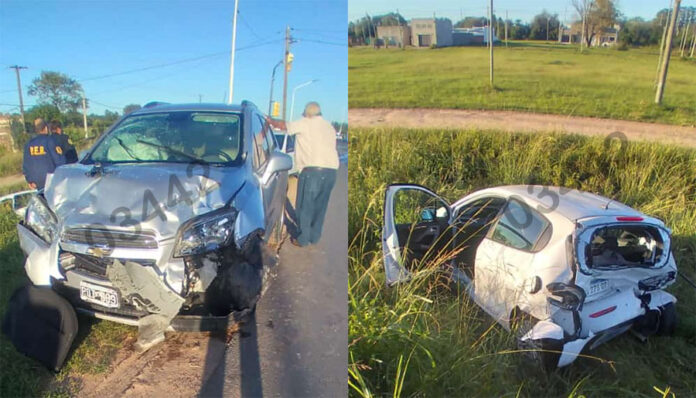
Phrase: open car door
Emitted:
{"points": [[415, 219]]}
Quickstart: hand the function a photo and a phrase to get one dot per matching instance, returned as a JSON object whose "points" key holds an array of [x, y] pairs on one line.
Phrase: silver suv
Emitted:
{"points": [[165, 220]]}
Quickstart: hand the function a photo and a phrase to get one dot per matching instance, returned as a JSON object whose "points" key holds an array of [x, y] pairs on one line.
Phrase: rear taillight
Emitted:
{"points": [[570, 297], [629, 218]]}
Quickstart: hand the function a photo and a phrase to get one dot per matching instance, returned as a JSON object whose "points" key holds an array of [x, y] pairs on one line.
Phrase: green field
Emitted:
{"points": [[93, 349], [423, 338], [529, 76]]}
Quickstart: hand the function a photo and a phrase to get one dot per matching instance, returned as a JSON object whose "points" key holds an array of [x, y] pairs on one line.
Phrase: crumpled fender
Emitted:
{"points": [[659, 298], [248, 202], [572, 349], [544, 330]]}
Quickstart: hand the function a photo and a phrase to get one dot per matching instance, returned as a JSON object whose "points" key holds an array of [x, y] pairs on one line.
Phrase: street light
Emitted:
{"points": [[294, 90], [270, 97]]}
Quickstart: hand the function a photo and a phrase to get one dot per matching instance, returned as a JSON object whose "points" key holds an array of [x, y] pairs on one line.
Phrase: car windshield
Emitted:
{"points": [[181, 137]]}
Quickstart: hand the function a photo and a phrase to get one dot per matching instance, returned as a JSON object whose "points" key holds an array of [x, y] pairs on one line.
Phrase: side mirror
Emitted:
{"points": [[277, 163]]}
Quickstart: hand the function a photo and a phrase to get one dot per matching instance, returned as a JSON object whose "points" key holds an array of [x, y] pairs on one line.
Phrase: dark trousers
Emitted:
{"points": [[313, 192]]}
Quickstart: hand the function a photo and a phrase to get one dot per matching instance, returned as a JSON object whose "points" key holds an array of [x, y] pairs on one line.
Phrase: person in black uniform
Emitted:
{"points": [[63, 141], [42, 155]]}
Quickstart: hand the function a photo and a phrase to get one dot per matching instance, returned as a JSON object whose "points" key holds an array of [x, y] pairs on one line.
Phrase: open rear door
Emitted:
{"points": [[414, 220]]}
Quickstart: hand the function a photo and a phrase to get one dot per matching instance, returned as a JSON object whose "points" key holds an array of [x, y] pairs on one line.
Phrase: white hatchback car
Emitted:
{"points": [[566, 270]]}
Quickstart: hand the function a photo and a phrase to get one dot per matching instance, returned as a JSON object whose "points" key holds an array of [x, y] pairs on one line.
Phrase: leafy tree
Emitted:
{"points": [[130, 108], [638, 32], [599, 14], [57, 89], [365, 28], [519, 30], [47, 112], [471, 22], [539, 24]]}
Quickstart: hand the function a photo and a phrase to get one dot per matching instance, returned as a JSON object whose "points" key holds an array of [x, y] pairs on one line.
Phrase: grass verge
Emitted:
{"points": [[425, 339], [529, 76]]}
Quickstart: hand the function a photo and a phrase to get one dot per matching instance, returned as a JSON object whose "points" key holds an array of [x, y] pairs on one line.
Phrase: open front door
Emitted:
{"points": [[414, 220]]}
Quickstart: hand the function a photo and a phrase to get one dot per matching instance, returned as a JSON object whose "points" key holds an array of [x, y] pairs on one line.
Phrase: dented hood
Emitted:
{"points": [[158, 196]]}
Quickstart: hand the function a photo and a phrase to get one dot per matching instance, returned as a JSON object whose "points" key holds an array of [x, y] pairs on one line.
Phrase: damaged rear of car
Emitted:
{"points": [[564, 270], [165, 222]]}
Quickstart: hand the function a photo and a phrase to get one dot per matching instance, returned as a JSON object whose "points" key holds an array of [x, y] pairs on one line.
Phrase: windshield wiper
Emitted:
{"points": [[174, 151], [127, 149]]}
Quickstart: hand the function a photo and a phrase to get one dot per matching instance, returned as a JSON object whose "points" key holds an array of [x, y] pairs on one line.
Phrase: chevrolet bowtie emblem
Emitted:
{"points": [[99, 251]]}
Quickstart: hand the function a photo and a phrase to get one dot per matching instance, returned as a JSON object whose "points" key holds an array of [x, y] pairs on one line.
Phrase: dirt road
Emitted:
{"points": [[520, 122]]}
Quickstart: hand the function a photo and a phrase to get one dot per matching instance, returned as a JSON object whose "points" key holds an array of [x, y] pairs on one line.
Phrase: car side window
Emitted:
{"points": [[520, 227], [260, 143], [482, 211], [270, 139]]}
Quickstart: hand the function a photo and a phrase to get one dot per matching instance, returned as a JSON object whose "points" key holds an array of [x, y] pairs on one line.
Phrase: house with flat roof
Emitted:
{"points": [[427, 32], [394, 35]]}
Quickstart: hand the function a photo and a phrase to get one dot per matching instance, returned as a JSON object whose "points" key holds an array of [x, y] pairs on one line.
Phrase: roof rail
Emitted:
{"points": [[153, 104]]}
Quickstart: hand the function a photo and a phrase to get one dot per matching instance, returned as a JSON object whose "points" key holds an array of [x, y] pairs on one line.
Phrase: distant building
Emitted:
{"points": [[395, 35], [427, 32], [471, 36], [608, 36], [5, 131]]}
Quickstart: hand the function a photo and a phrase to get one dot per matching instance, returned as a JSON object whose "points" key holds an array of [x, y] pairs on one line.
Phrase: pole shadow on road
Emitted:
{"points": [[250, 366]]}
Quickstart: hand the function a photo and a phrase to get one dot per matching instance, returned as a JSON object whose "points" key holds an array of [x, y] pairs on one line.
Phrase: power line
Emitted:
{"points": [[323, 42]]}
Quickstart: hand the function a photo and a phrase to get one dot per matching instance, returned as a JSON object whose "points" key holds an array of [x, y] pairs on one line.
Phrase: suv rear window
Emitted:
{"points": [[619, 246]]}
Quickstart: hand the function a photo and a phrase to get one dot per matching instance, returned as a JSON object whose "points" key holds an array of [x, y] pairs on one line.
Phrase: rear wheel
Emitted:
{"points": [[544, 352], [668, 320]]}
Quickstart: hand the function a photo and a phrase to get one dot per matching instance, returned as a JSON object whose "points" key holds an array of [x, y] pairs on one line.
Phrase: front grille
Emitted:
{"points": [[91, 265], [110, 238]]}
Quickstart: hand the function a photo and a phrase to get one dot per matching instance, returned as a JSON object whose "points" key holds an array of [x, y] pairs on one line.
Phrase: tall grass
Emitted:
{"points": [[425, 338], [534, 77]]}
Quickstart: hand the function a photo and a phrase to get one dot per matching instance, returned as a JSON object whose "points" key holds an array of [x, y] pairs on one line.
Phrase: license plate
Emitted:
{"points": [[98, 295]]}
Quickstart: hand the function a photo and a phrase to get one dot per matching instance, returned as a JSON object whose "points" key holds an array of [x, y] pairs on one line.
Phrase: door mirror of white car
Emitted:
{"points": [[277, 163]]}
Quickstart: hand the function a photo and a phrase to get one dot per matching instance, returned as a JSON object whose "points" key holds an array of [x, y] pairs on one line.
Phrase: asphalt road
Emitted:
{"points": [[296, 343]]}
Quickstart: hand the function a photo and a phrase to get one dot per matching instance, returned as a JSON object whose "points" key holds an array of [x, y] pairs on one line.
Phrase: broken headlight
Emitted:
{"points": [[40, 219], [571, 297], [206, 233]]}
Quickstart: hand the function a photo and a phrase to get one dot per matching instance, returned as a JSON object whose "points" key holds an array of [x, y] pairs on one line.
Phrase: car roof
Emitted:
{"points": [[215, 107], [572, 204]]}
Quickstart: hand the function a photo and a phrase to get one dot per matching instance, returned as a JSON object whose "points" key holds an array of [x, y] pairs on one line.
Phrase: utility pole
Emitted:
{"points": [[234, 44], [506, 28], [668, 53], [662, 45], [21, 100], [584, 23], [685, 35], [84, 113], [547, 28], [693, 43], [270, 96], [490, 38], [288, 41]]}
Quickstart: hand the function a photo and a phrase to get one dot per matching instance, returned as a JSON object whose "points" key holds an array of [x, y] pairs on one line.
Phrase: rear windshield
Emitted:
{"points": [[625, 246]]}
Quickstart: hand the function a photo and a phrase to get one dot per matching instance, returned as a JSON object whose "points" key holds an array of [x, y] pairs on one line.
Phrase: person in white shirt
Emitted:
{"points": [[317, 161]]}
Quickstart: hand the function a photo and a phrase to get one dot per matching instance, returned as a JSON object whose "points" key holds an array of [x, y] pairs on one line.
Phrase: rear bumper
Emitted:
{"points": [[593, 329]]}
